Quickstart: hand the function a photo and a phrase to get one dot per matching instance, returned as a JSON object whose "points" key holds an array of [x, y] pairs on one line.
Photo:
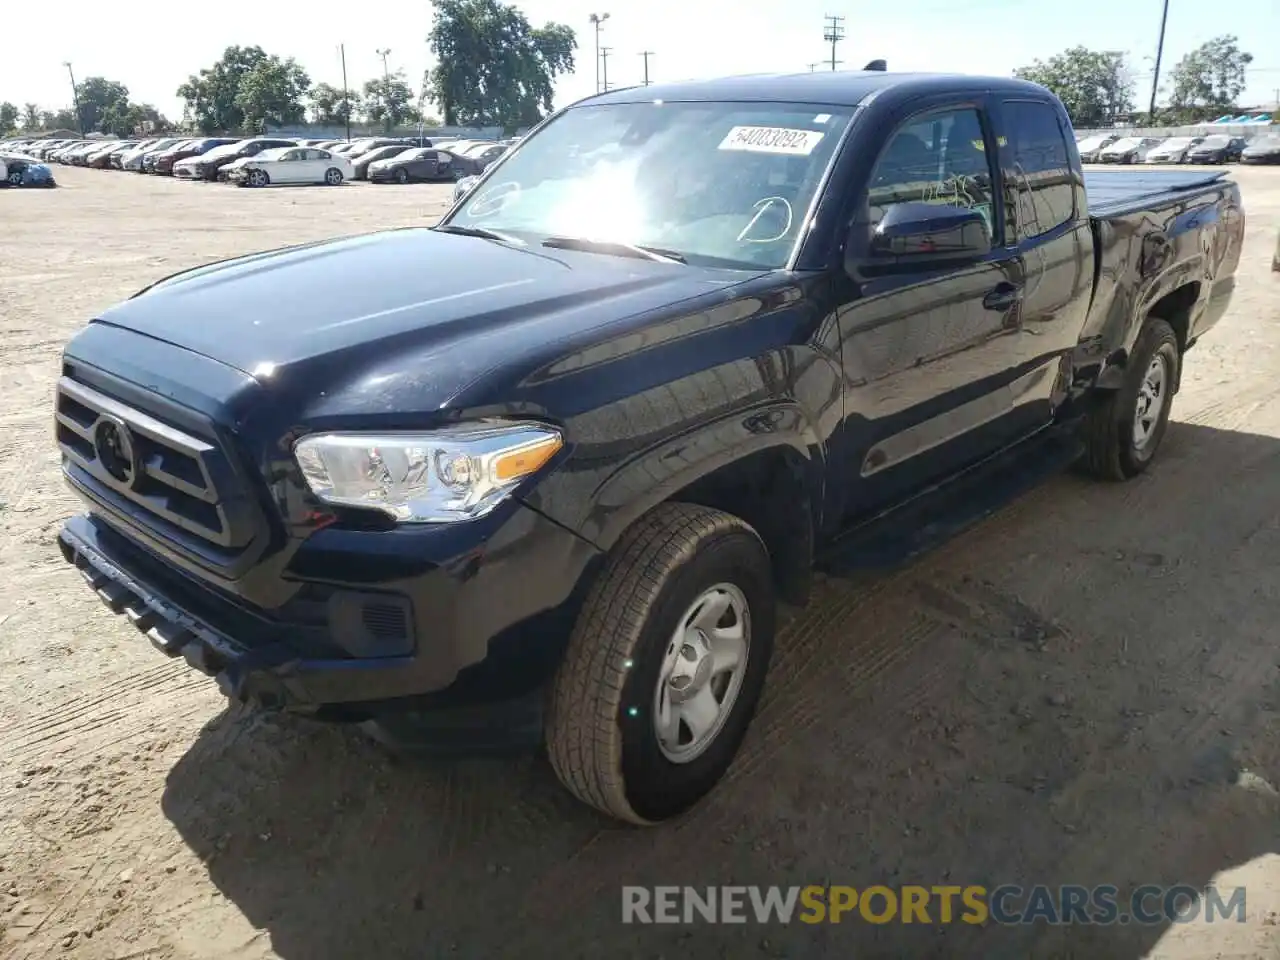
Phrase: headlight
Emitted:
{"points": [[453, 474]]}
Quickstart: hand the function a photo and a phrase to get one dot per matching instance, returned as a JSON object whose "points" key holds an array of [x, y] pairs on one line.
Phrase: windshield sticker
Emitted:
{"points": [[798, 143], [822, 118]]}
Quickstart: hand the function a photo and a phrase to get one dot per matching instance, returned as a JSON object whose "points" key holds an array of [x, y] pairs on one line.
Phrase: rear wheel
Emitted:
{"points": [[1123, 434], [665, 665]]}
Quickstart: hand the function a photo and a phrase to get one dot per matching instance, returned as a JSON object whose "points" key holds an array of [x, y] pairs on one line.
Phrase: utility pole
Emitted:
{"points": [[1155, 80], [597, 20], [346, 97], [646, 54], [75, 96], [814, 66], [386, 89], [834, 33], [604, 65]]}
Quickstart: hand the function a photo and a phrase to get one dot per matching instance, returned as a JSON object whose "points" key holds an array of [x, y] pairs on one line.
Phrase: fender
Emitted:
{"points": [[1172, 260], [661, 471]]}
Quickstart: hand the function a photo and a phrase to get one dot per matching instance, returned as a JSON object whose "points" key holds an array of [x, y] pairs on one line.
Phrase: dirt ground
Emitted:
{"points": [[1084, 689]]}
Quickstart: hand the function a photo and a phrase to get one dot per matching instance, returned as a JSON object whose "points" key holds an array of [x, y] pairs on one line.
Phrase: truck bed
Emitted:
{"points": [[1117, 192]]}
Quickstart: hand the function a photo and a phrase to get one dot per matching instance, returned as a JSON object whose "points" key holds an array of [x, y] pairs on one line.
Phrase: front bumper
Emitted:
{"points": [[486, 633]]}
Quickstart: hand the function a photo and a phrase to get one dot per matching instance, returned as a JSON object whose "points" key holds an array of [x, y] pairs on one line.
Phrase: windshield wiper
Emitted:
{"points": [[615, 247], [480, 232]]}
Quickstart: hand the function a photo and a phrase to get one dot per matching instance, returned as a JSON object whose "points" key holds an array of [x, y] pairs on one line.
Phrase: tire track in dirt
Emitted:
{"points": [[137, 697]]}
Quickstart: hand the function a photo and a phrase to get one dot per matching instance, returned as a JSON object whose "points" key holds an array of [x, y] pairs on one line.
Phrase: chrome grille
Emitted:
{"points": [[126, 454]]}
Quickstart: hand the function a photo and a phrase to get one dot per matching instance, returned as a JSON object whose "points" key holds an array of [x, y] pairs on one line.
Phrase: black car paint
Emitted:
{"points": [[773, 388], [1213, 153], [427, 167]]}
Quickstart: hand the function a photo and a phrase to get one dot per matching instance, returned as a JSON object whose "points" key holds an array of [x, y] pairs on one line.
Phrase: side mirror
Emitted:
{"points": [[918, 233]]}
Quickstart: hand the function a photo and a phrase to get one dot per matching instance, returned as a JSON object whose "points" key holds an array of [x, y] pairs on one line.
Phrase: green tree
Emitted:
{"points": [[389, 101], [30, 117], [125, 119], [328, 106], [1210, 78], [272, 94], [492, 66], [8, 117], [98, 97], [64, 119], [210, 95], [1095, 86]]}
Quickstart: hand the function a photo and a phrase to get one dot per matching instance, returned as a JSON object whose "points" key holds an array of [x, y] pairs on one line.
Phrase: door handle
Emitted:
{"points": [[1004, 296]]}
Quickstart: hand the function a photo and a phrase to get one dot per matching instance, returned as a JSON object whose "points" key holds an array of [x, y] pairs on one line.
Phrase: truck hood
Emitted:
{"points": [[448, 307]]}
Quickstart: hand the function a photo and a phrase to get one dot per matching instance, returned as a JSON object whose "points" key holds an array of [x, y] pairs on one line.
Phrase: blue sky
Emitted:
{"points": [[152, 53]]}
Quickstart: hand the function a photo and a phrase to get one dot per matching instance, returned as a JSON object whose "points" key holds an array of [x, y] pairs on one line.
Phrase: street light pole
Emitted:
{"points": [[346, 97], [386, 88], [1155, 80], [75, 96], [597, 20]]}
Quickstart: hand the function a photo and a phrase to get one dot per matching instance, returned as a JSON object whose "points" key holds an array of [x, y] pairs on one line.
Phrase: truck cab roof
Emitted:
{"points": [[849, 88]]}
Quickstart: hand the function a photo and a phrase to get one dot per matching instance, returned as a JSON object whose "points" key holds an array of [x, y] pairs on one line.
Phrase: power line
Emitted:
{"points": [[604, 66], [646, 54], [833, 34]]}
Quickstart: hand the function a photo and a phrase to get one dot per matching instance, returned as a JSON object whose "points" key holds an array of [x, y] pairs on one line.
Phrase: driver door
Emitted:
{"points": [[930, 353]]}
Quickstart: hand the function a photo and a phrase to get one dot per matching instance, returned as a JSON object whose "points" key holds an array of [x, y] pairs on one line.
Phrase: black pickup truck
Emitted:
{"points": [[550, 466]]}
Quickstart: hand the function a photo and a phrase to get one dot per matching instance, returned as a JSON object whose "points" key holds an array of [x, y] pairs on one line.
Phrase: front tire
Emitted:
{"points": [[1123, 434], [333, 177], [665, 665], [258, 178], [402, 176]]}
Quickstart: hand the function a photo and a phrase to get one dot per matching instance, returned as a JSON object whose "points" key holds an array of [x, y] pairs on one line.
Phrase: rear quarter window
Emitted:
{"points": [[1039, 182]]}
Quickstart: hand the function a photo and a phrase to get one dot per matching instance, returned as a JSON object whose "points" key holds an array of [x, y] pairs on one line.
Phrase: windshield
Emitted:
{"points": [[727, 184], [226, 150], [1091, 143]]}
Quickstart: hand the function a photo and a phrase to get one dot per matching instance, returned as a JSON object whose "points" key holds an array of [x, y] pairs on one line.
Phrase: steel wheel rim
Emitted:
{"points": [[701, 673], [1152, 396]]}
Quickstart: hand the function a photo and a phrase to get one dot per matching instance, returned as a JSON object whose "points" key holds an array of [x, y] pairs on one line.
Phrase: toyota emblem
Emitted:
{"points": [[113, 444]]}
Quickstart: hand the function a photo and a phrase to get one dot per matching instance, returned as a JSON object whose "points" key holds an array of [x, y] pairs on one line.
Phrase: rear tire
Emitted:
{"points": [[652, 639], [1123, 434]]}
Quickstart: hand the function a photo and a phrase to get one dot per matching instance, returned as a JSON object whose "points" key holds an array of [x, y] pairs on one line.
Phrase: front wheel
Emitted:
{"points": [[333, 176], [665, 665], [1123, 434], [258, 178], [402, 176]]}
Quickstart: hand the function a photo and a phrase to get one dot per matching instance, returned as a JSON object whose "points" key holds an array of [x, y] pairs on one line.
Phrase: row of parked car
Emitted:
{"points": [[262, 161], [1211, 148]]}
